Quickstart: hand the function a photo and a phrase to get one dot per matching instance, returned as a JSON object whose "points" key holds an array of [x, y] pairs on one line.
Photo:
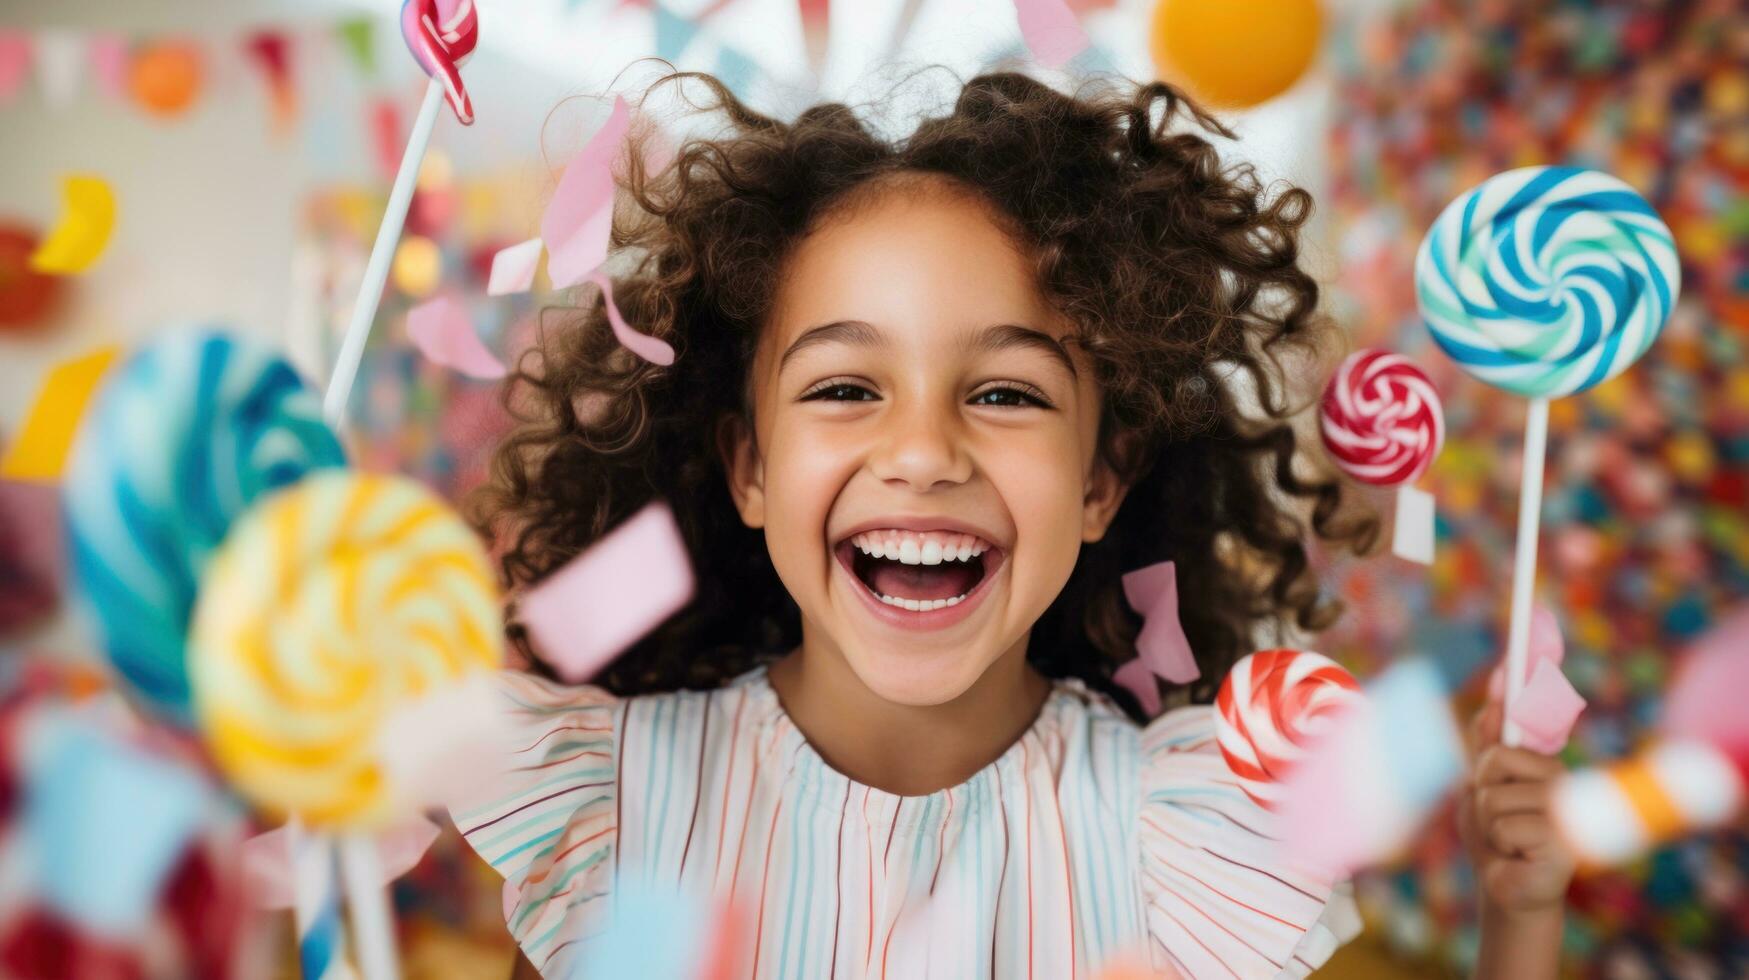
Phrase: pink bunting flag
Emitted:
{"points": [[14, 63], [267, 873], [1548, 706], [108, 54], [513, 268], [816, 31], [1051, 31], [1161, 645], [440, 328], [584, 614], [60, 63]]}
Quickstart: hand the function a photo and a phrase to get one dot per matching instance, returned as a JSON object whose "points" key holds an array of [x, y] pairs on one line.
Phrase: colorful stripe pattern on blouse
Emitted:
{"points": [[1089, 840]]}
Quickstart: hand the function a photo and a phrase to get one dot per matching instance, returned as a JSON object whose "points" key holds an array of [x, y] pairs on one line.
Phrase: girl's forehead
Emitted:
{"points": [[918, 264]]}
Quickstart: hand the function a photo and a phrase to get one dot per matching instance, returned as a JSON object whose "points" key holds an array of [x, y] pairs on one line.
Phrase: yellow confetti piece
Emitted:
{"points": [[87, 220], [40, 452]]}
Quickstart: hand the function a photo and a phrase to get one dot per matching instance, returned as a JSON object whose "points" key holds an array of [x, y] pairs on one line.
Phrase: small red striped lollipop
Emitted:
{"points": [[441, 34], [1381, 418], [1383, 424], [1271, 708]]}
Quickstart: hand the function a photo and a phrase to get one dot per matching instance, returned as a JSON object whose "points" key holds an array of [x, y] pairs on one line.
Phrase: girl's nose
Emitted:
{"points": [[921, 448]]}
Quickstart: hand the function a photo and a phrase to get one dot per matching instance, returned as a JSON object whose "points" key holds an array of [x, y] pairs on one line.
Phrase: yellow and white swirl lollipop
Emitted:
{"points": [[329, 606]]}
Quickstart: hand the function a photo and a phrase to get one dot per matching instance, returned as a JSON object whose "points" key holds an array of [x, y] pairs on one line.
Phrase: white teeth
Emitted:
{"points": [[915, 549], [920, 605]]}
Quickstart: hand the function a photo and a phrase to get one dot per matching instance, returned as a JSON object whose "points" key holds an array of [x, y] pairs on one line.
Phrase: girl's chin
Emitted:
{"points": [[914, 677]]}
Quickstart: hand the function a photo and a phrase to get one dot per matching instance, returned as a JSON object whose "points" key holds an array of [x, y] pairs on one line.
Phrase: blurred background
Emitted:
{"points": [[250, 145]]}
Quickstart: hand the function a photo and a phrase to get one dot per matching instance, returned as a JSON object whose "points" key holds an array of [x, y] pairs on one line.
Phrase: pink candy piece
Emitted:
{"points": [[584, 614], [1381, 418], [1271, 709], [441, 34], [1136, 678]]}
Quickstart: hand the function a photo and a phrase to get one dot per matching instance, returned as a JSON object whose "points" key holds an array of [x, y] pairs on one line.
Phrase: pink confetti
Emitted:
{"points": [[606, 598], [1136, 678], [1545, 717], [1372, 779], [448, 746], [651, 349], [267, 874], [444, 334], [579, 219], [1051, 31], [513, 268], [1153, 592], [1706, 697], [1546, 709]]}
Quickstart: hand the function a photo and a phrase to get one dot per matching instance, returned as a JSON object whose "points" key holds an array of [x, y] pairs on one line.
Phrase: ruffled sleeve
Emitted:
{"points": [[1220, 900], [548, 823]]}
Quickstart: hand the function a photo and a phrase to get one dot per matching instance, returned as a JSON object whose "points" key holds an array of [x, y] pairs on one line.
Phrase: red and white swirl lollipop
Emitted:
{"points": [[1272, 707], [440, 34], [1383, 424]]}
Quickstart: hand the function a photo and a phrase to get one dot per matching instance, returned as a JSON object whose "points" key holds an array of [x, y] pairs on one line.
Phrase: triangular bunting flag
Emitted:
{"points": [[673, 33], [358, 37]]}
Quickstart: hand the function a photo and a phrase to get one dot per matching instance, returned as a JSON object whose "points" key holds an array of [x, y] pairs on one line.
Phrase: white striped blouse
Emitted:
{"points": [[1089, 841]]}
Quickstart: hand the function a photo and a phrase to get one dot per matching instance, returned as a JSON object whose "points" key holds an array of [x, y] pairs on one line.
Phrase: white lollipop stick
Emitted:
{"points": [[321, 936], [367, 898], [376, 271], [1530, 506]]}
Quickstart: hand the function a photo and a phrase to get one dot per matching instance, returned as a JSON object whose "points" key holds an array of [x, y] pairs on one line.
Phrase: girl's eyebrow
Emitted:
{"points": [[999, 337], [857, 333]]}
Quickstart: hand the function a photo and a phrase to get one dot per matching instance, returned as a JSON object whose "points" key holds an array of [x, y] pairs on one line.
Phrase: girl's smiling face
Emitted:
{"points": [[923, 451]]}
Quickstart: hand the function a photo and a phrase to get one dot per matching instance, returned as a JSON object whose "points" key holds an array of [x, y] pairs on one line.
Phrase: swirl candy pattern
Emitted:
{"points": [[1269, 710], [183, 437], [1546, 281], [441, 34], [1381, 418], [328, 607]]}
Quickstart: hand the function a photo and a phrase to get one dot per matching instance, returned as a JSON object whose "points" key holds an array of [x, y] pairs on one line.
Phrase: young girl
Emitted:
{"points": [[933, 397]]}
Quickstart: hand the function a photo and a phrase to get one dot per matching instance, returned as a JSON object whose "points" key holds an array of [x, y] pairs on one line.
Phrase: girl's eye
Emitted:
{"points": [[839, 391], [1011, 396]]}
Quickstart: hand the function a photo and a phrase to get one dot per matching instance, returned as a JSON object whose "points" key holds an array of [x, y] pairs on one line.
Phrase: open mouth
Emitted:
{"points": [[919, 571]]}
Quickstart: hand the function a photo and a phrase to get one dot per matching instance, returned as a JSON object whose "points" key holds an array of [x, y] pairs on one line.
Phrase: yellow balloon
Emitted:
{"points": [[417, 267], [86, 222], [1235, 53]]}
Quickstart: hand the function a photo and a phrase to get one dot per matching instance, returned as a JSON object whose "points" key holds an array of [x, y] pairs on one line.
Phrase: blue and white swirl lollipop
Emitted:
{"points": [[1545, 281], [183, 437]]}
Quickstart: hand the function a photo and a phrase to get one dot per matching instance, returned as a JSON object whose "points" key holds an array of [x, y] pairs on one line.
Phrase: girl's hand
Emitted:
{"points": [[1521, 864]]}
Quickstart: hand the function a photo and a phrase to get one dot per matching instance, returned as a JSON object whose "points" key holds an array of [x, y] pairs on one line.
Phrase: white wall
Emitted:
{"points": [[209, 203]]}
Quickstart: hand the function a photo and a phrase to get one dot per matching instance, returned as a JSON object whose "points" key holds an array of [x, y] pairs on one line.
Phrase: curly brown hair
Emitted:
{"points": [[1180, 274]]}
